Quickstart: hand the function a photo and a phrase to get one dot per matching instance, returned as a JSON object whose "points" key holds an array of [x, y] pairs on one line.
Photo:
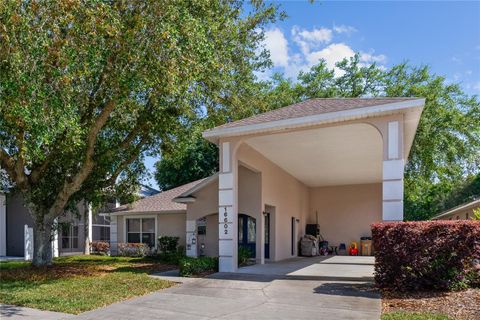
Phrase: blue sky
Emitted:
{"points": [[444, 35]]}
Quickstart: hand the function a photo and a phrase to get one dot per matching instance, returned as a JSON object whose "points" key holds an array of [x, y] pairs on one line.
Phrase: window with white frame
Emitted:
{"points": [[141, 230]]}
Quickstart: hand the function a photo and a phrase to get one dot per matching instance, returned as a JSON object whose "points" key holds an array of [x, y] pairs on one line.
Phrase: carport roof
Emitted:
{"points": [[314, 111]]}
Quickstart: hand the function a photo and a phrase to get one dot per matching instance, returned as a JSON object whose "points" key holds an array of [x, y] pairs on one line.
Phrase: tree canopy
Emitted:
{"points": [[446, 150], [89, 87]]}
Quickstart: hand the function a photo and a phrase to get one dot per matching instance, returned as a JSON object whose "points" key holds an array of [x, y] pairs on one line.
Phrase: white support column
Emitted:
{"points": [[3, 225], [393, 169], [113, 235], [55, 252], [228, 210], [191, 228], [28, 238]]}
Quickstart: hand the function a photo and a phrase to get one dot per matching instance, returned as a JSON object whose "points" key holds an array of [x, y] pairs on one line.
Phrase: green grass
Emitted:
{"points": [[79, 283], [401, 315]]}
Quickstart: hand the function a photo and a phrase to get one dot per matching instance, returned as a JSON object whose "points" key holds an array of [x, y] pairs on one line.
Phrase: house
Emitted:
{"points": [[460, 212], [73, 227], [336, 162]]}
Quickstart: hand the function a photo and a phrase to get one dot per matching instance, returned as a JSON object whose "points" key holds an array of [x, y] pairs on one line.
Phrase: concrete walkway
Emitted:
{"points": [[348, 268], [280, 294], [22, 313], [300, 288]]}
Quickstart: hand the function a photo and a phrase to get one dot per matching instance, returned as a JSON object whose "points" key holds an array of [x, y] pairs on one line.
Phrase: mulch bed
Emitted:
{"points": [[463, 305], [70, 270]]}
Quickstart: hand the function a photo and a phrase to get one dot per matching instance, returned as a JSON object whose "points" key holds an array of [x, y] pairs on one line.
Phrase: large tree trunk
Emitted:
{"points": [[42, 244]]}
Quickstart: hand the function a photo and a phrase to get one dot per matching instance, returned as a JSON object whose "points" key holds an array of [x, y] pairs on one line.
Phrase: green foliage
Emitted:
{"points": [[193, 158], [77, 284], [88, 88], [476, 214], [244, 255], [197, 266], [167, 244]]}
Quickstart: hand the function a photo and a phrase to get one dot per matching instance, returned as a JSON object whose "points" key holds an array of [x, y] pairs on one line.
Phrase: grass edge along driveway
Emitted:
{"points": [[77, 284]]}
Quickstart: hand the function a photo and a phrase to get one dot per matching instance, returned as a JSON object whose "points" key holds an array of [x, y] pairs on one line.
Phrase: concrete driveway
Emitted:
{"points": [[257, 294]]}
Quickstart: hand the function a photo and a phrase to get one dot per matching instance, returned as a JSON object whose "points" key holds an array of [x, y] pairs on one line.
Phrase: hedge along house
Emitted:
{"points": [[340, 161]]}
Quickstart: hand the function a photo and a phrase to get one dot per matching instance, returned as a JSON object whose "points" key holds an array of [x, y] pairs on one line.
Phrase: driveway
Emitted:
{"points": [[293, 290]]}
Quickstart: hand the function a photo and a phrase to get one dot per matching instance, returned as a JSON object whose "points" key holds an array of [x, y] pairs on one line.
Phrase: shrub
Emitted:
{"points": [[195, 266], [133, 249], [427, 255], [167, 244], [244, 255], [100, 247]]}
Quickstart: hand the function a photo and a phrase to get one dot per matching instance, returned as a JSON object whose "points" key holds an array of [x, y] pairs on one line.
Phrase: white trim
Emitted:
{"points": [[139, 213], [185, 200], [125, 231], [457, 208], [225, 157], [393, 135], [358, 113]]}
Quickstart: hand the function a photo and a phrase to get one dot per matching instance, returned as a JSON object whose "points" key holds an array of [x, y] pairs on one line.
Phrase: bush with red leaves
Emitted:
{"points": [[427, 255], [100, 247]]}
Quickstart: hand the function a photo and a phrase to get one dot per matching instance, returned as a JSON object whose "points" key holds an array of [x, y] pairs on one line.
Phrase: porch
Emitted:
{"points": [[337, 163]]}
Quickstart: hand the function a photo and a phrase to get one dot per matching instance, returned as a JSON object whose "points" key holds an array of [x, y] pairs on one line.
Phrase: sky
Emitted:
{"points": [[444, 35]]}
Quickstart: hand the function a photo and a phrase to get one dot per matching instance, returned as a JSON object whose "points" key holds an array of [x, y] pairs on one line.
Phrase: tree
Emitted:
{"points": [[88, 87], [446, 149], [192, 159]]}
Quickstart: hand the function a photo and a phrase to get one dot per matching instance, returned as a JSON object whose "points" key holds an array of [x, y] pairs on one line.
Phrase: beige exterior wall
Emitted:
{"points": [[461, 214], [346, 212], [279, 189], [167, 225], [206, 202], [172, 225], [210, 239]]}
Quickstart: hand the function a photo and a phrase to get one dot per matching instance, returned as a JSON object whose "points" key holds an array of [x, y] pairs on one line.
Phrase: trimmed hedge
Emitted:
{"points": [[427, 255], [196, 266]]}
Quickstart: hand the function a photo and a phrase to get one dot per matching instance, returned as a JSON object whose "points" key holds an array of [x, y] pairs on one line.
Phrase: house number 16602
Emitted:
{"points": [[225, 220]]}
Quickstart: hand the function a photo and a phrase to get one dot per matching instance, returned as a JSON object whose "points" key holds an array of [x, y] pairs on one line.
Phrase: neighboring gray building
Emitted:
{"points": [[73, 227]]}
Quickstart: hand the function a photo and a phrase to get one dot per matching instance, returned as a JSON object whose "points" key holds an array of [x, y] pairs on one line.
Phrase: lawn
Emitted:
{"points": [[79, 283]]}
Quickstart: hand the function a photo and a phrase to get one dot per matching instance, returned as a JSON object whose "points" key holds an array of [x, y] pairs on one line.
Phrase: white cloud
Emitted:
{"points": [[344, 29], [456, 60], [370, 58], [476, 86], [331, 54], [314, 45], [277, 44], [308, 40]]}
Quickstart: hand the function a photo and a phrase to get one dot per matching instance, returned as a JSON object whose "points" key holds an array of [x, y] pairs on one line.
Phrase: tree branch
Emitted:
{"points": [[72, 185]]}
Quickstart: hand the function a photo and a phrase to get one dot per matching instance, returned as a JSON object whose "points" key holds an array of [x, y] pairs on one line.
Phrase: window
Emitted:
{"points": [[69, 237], [141, 230]]}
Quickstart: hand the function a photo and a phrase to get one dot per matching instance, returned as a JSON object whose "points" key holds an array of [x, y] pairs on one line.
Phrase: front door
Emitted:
{"points": [[247, 233]]}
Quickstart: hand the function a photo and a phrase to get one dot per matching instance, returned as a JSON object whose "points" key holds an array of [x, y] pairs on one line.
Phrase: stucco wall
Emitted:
{"points": [[281, 190], [172, 225], [206, 202], [210, 239], [346, 212], [167, 225], [462, 214]]}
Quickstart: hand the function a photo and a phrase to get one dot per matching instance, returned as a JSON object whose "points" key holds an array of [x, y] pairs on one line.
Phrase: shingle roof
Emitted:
{"points": [[159, 203], [312, 107]]}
